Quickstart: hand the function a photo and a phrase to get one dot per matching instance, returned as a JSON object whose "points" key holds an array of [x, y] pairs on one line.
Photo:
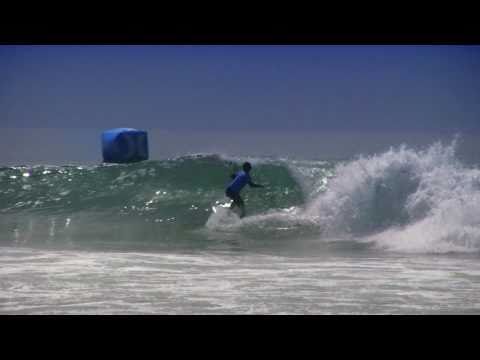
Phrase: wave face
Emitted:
{"points": [[152, 201], [402, 200]]}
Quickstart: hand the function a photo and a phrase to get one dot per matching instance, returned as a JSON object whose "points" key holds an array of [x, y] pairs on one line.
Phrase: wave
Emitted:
{"points": [[404, 199], [151, 201]]}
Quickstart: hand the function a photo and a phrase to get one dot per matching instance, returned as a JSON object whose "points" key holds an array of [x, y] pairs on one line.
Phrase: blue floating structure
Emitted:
{"points": [[124, 145]]}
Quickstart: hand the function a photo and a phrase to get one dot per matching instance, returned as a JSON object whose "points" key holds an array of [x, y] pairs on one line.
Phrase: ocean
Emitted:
{"points": [[396, 232]]}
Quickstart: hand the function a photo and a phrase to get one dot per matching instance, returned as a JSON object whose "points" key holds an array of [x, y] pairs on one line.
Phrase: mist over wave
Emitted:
{"points": [[404, 200]]}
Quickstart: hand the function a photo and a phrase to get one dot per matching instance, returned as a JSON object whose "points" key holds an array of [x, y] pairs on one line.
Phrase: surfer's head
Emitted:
{"points": [[247, 167]]}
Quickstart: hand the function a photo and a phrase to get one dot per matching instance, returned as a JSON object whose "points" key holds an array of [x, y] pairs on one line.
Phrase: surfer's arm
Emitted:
{"points": [[233, 176]]}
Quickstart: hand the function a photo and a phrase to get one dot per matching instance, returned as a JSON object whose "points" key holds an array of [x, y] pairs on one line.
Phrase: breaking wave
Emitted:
{"points": [[405, 199]]}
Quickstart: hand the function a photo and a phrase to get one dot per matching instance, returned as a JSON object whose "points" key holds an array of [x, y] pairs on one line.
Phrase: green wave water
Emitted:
{"points": [[402, 200], [148, 202]]}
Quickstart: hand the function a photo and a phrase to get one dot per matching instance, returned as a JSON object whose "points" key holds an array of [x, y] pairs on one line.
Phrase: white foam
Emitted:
{"points": [[222, 218], [415, 201]]}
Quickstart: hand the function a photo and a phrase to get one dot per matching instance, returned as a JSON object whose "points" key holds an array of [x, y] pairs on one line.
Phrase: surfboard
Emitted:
{"points": [[226, 206], [222, 217]]}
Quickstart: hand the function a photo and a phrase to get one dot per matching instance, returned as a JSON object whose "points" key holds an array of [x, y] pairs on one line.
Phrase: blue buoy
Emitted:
{"points": [[124, 145]]}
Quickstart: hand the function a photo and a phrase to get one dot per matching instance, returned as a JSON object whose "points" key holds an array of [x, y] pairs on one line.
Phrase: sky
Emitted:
{"points": [[56, 100]]}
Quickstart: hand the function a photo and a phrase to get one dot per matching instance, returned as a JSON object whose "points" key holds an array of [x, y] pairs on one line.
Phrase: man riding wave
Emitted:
{"points": [[240, 179]]}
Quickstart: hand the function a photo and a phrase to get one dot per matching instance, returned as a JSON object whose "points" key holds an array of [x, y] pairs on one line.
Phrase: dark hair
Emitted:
{"points": [[247, 166]]}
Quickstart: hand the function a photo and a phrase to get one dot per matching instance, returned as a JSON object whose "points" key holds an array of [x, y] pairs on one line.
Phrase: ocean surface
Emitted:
{"points": [[397, 232]]}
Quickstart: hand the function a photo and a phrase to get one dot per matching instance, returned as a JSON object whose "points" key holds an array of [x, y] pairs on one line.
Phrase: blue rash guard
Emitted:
{"points": [[241, 179]]}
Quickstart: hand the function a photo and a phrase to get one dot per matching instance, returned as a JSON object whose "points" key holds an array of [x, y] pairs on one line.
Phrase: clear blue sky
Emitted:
{"points": [[248, 88], [241, 87]]}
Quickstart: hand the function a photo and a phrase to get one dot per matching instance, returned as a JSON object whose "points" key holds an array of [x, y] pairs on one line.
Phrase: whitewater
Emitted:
{"points": [[396, 232]]}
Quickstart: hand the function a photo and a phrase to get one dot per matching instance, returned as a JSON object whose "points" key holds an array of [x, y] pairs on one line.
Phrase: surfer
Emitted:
{"points": [[239, 180]]}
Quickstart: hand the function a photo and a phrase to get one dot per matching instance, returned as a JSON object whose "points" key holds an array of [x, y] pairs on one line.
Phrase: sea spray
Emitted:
{"points": [[404, 200]]}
